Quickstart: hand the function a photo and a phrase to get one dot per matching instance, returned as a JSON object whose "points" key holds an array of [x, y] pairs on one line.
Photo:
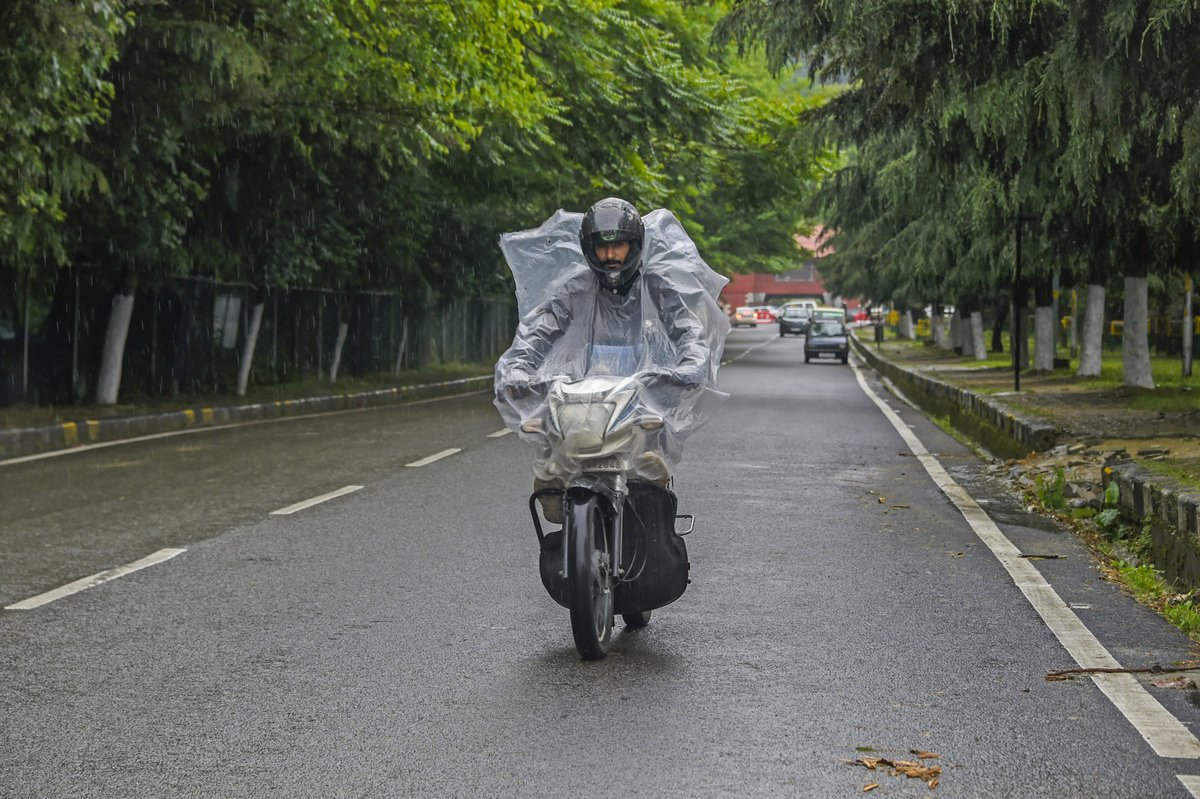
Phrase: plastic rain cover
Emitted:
{"points": [[667, 333]]}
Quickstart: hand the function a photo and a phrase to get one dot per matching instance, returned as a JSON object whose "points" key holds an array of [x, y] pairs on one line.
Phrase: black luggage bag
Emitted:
{"points": [[653, 556]]}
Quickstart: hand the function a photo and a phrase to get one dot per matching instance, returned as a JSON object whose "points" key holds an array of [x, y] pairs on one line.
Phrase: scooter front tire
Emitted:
{"points": [[589, 576]]}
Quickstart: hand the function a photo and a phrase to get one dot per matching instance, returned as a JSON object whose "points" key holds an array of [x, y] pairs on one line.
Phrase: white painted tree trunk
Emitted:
{"points": [[1093, 332], [936, 328], [1044, 338], [956, 331], [343, 329], [113, 356], [978, 344], [1135, 341], [256, 314], [906, 325]]}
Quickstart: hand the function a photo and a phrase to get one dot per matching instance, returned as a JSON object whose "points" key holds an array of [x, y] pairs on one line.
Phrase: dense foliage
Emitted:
{"points": [[962, 115], [361, 144]]}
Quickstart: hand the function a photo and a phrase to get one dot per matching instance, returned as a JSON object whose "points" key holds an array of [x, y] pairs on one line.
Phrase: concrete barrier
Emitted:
{"points": [[1001, 430]]}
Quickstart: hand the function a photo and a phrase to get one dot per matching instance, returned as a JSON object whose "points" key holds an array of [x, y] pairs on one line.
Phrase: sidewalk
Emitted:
{"points": [[103, 426], [1057, 422]]}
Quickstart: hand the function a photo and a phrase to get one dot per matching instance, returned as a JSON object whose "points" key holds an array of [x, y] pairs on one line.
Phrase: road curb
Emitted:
{"points": [[1000, 429], [81, 432], [1172, 513]]}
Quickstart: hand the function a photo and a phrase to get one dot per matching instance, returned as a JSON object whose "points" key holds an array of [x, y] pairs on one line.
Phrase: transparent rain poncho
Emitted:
{"points": [[667, 331]]}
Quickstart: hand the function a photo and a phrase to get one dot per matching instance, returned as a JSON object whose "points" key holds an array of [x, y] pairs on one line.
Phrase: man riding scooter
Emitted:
{"points": [[615, 319]]}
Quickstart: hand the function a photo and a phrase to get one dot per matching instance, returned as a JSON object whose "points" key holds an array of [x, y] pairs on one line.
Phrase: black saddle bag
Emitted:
{"points": [[654, 557]]}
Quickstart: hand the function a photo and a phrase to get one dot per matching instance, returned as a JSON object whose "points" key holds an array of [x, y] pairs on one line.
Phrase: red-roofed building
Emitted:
{"points": [[796, 284]]}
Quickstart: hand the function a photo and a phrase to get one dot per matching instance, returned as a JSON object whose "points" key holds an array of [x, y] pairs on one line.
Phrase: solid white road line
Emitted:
{"points": [[308, 503], [1191, 782], [95, 580], [499, 433], [437, 456], [58, 453], [1165, 734]]}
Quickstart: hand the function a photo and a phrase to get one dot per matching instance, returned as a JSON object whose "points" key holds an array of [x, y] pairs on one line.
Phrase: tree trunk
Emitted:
{"points": [[256, 315], [906, 325], [1073, 330], [937, 327], [113, 357], [956, 331], [1135, 341], [1044, 339], [343, 329], [1090, 346], [400, 349], [998, 328], [978, 345], [1020, 348]]}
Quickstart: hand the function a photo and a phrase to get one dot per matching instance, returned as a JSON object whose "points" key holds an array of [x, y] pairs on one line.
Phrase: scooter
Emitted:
{"points": [[618, 551]]}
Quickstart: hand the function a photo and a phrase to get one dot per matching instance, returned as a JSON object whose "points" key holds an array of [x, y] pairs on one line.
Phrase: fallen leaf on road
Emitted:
{"points": [[870, 786], [882, 501], [902, 506], [909, 768], [921, 753], [1043, 557], [958, 554], [1178, 682]]}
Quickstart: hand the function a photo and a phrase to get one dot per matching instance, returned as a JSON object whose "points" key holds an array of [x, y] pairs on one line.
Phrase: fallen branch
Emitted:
{"points": [[1157, 668]]}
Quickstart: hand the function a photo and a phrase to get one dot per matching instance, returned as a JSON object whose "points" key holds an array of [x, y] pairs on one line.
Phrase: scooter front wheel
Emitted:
{"points": [[589, 576]]}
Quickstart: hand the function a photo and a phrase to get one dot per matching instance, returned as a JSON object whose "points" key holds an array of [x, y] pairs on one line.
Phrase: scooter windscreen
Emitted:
{"points": [[667, 331]]}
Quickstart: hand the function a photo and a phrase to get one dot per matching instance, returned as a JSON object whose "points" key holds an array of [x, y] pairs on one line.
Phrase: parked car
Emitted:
{"points": [[745, 316], [827, 338], [794, 320], [764, 313]]}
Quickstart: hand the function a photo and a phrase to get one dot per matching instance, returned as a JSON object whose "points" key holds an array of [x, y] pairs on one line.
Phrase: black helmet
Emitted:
{"points": [[608, 221]]}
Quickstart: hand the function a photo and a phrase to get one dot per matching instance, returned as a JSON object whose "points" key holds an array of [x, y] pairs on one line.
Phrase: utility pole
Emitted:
{"points": [[1188, 322]]}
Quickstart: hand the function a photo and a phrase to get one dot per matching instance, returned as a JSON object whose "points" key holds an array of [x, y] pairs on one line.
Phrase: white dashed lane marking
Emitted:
{"points": [[308, 503], [437, 456], [96, 579]]}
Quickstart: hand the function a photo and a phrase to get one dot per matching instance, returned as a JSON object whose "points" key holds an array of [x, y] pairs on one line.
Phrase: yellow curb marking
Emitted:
{"points": [[207, 415], [70, 434], [93, 430], [189, 417]]}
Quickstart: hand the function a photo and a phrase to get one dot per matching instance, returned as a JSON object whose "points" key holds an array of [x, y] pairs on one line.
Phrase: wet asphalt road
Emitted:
{"points": [[396, 641]]}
